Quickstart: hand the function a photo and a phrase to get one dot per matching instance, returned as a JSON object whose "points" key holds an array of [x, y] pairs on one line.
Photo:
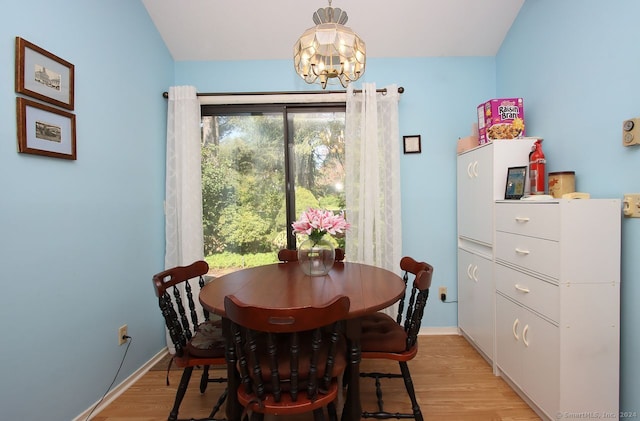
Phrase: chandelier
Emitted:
{"points": [[329, 50]]}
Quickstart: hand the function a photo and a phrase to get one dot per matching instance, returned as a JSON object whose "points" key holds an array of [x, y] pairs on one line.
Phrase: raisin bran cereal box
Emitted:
{"points": [[501, 118]]}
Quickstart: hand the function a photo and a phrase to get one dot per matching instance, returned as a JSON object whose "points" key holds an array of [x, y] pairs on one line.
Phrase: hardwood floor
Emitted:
{"points": [[452, 381]]}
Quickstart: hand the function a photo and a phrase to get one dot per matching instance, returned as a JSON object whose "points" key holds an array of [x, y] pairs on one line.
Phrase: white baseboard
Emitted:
{"points": [[122, 386], [447, 330]]}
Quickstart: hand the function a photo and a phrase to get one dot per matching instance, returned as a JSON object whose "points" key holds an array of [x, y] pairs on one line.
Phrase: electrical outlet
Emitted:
{"points": [[442, 292], [631, 205], [631, 132], [122, 332]]}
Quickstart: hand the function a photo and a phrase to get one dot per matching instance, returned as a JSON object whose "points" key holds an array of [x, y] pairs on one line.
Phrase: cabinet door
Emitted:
{"points": [[466, 288], [527, 352], [475, 201], [465, 182], [540, 362], [475, 299], [509, 339]]}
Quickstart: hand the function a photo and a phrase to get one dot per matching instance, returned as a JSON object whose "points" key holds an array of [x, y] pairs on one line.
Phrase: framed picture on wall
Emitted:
{"points": [[42, 75], [45, 130], [412, 144]]}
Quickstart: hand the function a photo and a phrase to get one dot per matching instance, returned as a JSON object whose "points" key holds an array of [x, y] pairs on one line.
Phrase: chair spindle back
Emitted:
{"points": [[423, 273], [281, 352], [180, 323]]}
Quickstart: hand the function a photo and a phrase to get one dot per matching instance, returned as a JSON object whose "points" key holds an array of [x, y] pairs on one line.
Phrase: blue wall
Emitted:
{"points": [[79, 240], [579, 76], [439, 103]]}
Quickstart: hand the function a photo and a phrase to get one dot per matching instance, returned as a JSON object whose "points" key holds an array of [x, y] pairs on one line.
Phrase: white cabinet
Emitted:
{"points": [[481, 180], [475, 198], [557, 279], [526, 351], [475, 277]]}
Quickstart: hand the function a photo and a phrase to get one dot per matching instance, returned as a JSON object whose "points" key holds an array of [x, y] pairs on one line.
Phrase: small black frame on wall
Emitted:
{"points": [[412, 144]]}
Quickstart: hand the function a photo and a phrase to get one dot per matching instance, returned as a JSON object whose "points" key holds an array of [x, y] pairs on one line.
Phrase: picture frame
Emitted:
{"points": [[42, 75], [412, 144], [45, 130], [516, 178]]}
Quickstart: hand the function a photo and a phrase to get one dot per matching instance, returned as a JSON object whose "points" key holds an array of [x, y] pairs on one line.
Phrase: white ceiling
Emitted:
{"points": [[195, 30]]}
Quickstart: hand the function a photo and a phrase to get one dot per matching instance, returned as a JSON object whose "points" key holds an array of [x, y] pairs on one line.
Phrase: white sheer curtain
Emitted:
{"points": [[183, 195], [373, 172]]}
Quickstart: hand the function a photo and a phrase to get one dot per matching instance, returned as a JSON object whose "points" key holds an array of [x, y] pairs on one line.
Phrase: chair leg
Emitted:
{"points": [[318, 414], [204, 380], [381, 414], [345, 377], [218, 404], [331, 411], [182, 389], [408, 383]]}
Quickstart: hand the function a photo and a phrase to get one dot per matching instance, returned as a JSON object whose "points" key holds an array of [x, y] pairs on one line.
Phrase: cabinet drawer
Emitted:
{"points": [[531, 292], [534, 254], [540, 220]]}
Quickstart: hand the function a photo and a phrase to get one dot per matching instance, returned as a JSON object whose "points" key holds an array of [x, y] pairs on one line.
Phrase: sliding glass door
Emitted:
{"points": [[261, 167]]}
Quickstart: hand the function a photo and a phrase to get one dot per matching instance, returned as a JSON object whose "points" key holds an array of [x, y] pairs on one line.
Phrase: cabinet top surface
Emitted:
{"points": [[499, 141], [553, 201]]}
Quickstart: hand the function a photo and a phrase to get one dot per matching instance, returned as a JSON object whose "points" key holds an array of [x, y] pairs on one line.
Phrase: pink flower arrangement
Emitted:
{"points": [[316, 223]]}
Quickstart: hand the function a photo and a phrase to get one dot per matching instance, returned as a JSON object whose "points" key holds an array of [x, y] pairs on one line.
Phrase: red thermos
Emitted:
{"points": [[537, 164]]}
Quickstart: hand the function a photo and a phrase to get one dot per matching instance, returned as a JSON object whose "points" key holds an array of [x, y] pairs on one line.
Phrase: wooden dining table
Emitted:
{"points": [[284, 285]]}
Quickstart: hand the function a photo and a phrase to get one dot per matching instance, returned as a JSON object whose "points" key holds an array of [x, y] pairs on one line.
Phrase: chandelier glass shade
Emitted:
{"points": [[329, 50]]}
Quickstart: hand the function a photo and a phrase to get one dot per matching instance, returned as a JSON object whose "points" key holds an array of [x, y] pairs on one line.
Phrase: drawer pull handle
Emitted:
{"points": [[515, 326], [523, 252], [469, 271], [475, 169], [522, 289], [524, 335], [475, 273], [469, 170], [522, 219]]}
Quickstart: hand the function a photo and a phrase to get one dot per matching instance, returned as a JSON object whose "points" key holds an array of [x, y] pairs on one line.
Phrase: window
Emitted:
{"points": [[262, 165]]}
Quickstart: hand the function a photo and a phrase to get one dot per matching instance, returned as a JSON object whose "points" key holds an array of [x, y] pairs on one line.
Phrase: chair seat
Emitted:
{"points": [[286, 406], [381, 333], [207, 342]]}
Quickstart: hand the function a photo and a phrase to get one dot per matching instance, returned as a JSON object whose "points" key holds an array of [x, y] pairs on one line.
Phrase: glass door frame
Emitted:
{"points": [[286, 110]]}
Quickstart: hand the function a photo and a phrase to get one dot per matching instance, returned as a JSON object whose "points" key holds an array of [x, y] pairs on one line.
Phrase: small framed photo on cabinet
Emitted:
{"points": [[412, 144], [514, 190]]}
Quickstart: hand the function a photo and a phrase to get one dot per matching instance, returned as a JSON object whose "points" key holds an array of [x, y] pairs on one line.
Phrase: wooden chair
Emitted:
{"points": [[289, 359], [288, 255], [389, 339], [196, 344]]}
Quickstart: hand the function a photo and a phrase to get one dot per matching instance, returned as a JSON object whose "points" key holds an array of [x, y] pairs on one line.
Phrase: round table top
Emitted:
{"points": [[284, 285]]}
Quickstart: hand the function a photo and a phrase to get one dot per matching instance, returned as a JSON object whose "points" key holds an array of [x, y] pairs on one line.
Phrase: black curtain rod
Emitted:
{"points": [[383, 90]]}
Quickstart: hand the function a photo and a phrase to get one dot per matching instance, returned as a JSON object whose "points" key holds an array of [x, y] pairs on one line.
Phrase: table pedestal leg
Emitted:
{"points": [[352, 405], [233, 408]]}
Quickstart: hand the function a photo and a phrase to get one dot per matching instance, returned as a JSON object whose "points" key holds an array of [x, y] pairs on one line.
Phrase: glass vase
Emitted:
{"points": [[316, 258]]}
